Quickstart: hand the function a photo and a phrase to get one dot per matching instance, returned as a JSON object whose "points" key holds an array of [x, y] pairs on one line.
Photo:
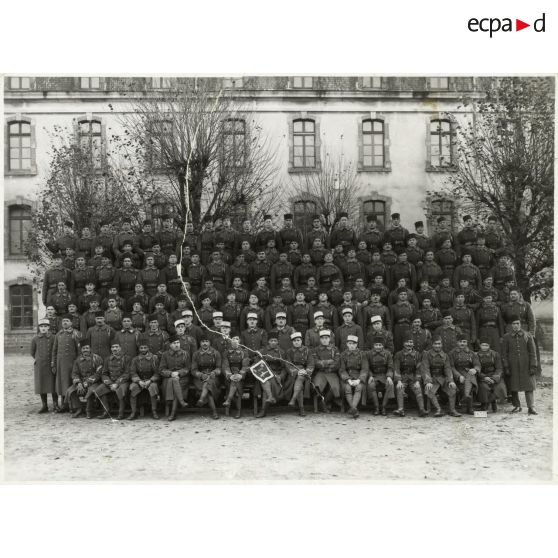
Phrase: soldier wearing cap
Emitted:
{"points": [[207, 238], [353, 372], [422, 338], [273, 309], [44, 375], [402, 313], [327, 272], [282, 331], [371, 235], [380, 364], [105, 239], [265, 234], [378, 333], [196, 273], [288, 233], [317, 231], [363, 255], [167, 237], [430, 270], [155, 338], [489, 322], [329, 311], [206, 367], [348, 302], [61, 299], [326, 370], [302, 272], [104, 276], [126, 278], [465, 366], [126, 235], [467, 271], [188, 341], [294, 255], [127, 338], [100, 336], [144, 375], [86, 374], [494, 240], [253, 337], [279, 270], [490, 384], [260, 267], [423, 242], [317, 252], [415, 255], [240, 268], [448, 332], [376, 308], [482, 256], [502, 272], [467, 236], [227, 235], [146, 238], [139, 296], [464, 318], [343, 234], [115, 378], [235, 363], [138, 317], [402, 269], [301, 313], [53, 276], [312, 338], [232, 311], [387, 255], [311, 292], [113, 315], [426, 291], [518, 307], [174, 369], [443, 233], [407, 377], [301, 370], [430, 316], [378, 267], [445, 293], [446, 257], [67, 240], [347, 328], [218, 271], [396, 235], [437, 375], [169, 302]]}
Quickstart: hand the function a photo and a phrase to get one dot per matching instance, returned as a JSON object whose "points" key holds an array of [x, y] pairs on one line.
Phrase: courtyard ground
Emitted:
{"points": [[283, 447]]}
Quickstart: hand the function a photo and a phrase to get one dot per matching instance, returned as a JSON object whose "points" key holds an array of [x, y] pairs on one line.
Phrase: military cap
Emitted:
{"points": [[395, 216], [266, 217], [225, 324], [447, 313], [402, 289], [281, 315], [418, 224], [152, 318], [147, 222], [325, 332], [287, 216], [84, 343], [315, 217], [488, 293], [165, 217], [127, 315], [347, 310], [178, 322], [440, 219], [204, 337], [437, 339], [187, 313], [484, 340], [467, 218], [181, 297], [411, 235], [99, 314], [514, 318], [44, 321], [465, 253], [318, 314], [375, 291], [69, 224], [352, 338], [252, 315], [296, 335], [217, 314], [460, 292], [371, 218], [207, 219], [462, 337], [272, 335], [375, 319], [174, 338], [408, 337], [386, 242]]}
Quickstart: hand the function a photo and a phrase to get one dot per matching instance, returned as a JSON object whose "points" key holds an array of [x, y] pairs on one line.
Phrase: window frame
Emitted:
{"points": [[374, 197], [303, 220], [317, 143], [304, 83], [10, 121], [90, 118], [158, 166], [433, 83], [432, 214], [165, 207], [21, 231], [450, 119], [163, 83], [373, 117], [232, 82], [26, 326], [370, 87], [89, 87], [20, 87], [244, 142]]}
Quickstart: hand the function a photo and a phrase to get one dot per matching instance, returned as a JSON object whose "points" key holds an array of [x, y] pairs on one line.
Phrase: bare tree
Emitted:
{"points": [[334, 187], [208, 149], [506, 168]]}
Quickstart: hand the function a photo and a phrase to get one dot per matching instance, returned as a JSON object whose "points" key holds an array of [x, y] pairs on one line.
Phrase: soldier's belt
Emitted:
{"points": [[402, 321], [488, 324]]}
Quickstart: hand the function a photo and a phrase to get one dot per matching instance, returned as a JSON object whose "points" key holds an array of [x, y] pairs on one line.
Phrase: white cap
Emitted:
{"points": [[374, 319], [44, 321], [252, 315], [325, 332], [178, 322], [352, 338], [217, 314], [281, 315], [187, 313], [296, 334], [318, 314], [347, 310], [225, 324]]}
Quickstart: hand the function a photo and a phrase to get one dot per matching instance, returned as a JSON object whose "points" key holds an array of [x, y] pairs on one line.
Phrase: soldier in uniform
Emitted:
{"points": [[423, 241], [80, 276], [407, 377], [312, 338], [100, 336], [518, 307], [335, 293], [113, 314], [168, 238], [490, 384], [317, 231], [378, 333], [448, 332], [396, 234], [279, 270], [115, 378], [328, 310], [145, 239], [489, 322], [240, 269], [422, 338], [482, 256], [347, 328], [363, 255], [402, 269], [206, 367], [442, 234], [67, 240], [282, 331], [311, 292], [294, 256], [430, 317], [44, 375], [327, 272], [127, 338], [447, 258], [380, 364], [169, 275], [266, 233], [105, 239], [493, 237], [445, 294], [207, 239], [519, 360], [436, 375], [139, 296], [104, 275], [415, 255], [488, 287], [53, 276], [353, 372], [326, 371], [261, 267], [502, 272], [288, 233], [89, 294], [343, 234], [388, 256], [125, 278], [402, 313], [465, 368], [234, 365], [467, 236], [467, 271], [155, 338], [353, 269], [218, 272], [227, 235], [126, 235], [144, 375], [430, 270], [64, 352], [174, 369], [301, 314], [86, 374], [61, 299], [301, 370], [464, 318], [372, 236]]}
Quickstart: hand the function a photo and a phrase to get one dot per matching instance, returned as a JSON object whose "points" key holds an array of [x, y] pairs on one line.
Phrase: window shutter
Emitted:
{"points": [[291, 143], [360, 163], [428, 152], [387, 159], [317, 144]]}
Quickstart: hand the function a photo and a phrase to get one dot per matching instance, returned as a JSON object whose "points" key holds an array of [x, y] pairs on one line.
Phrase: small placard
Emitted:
{"points": [[481, 414], [261, 371]]}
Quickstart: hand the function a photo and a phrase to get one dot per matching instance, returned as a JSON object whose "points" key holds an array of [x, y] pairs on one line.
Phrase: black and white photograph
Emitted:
{"points": [[380, 244]]}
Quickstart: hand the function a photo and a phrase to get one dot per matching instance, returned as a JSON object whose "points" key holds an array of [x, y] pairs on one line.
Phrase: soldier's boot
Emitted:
{"points": [[89, 408], [294, 398], [530, 400], [44, 406], [484, 407], [212, 406], [356, 401], [301, 410], [55, 407], [238, 413], [494, 405], [375, 403], [65, 405], [105, 402], [134, 406], [172, 415], [263, 411], [203, 398], [433, 398], [349, 399], [452, 411], [384, 404], [230, 396], [469, 405], [420, 405], [400, 397], [121, 406], [154, 408]]}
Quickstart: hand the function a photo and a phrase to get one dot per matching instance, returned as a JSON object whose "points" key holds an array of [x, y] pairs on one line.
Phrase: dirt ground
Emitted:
{"points": [[283, 447]]}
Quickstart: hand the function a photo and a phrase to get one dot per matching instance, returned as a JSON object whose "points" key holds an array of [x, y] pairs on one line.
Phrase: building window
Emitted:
{"points": [[304, 144], [21, 307], [157, 211], [232, 83], [304, 210], [160, 142], [373, 143], [20, 83], [19, 143], [19, 217], [238, 215], [300, 82], [90, 83], [377, 209], [161, 83], [438, 83], [91, 141], [234, 143], [441, 143], [371, 82], [441, 208]]}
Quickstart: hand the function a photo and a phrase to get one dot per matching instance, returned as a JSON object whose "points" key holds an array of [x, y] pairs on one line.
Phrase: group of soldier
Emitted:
{"points": [[172, 318]]}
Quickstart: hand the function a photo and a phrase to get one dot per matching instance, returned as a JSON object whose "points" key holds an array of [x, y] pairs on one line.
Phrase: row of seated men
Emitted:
{"points": [[215, 366]]}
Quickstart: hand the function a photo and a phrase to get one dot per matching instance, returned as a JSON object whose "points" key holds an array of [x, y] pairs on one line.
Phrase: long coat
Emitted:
{"points": [[41, 351], [519, 358], [65, 350]]}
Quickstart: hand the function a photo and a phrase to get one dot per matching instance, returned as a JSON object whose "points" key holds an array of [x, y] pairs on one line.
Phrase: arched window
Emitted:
{"points": [[373, 154], [304, 143], [303, 212], [21, 307], [19, 143], [234, 143], [90, 134], [441, 143], [376, 208], [19, 217]]}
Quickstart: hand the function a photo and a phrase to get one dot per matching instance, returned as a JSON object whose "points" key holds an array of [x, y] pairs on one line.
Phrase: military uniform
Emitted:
{"points": [[260, 268], [353, 270], [431, 319], [490, 324], [447, 259], [378, 268], [64, 353], [502, 274], [113, 318], [101, 339], [483, 258], [436, 370], [467, 271], [80, 276], [86, 371], [168, 240], [326, 370], [403, 270], [280, 386], [144, 368], [157, 341], [372, 237], [235, 362], [60, 302], [115, 371], [174, 387], [279, 271], [353, 366], [128, 339], [464, 318], [104, 275], [406, 369], [41, 350], [301, 316], [383, 336], [401, 316], [446, 297], [449, 336], [206, 366], [316, 233], [524, 311], [422, 339], [397, 236], [430, 271], [461, 361], [218, 272], [380, 364], [344, 236], [343, 331], [330, 314], [490, 367], [301, 359]]}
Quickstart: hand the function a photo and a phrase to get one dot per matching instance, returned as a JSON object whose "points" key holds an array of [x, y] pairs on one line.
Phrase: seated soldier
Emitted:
{"points": [[491, 388], [174, 369], [115, 379], [206, 366], [378, 333], [380, 364], [407, 377], [144, 376], [301, 369], [279, 386], [353, 372], [235, 364], [326, 371], [86, 374], [465, 367]]}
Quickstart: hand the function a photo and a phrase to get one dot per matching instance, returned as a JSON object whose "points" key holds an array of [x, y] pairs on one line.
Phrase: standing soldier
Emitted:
{"points": [[127, 338], [44, 375], [493, 237], [86, 374], [174, 368], [377, 267], [491, 387], [105, 239], [301, 313], [396, 234], [155, 338], [326, 371], [303, 366], [218, 272], [353, 269], [482, 256], [104, 275], [64, 353], [240, 269], [144, 376], [115, 379], [488, 287], [388, 256], [312, 338], [261, 267], [467, 271], [407, 377], [125, 278], [402, 269], [343, 234], [227, 235], [464, 318], [266, 234], [372, 235], [519, 359], [303, 272], [81, 275], [448, 332], [61, 299], [100, 336], [196, 274], [168, 238], [282, 331], [467, 236], [436, 375], [415, 255], [377, 333], [447, 258], [234, 365], [329, 311], [489, 322], [402, 313], [430, 270], [502, 272], [430, 316], [206, 366], [445, 294], [273, 309], [53, 276], [279, 270], [518, 307], [288, 233], [423, 242], [327, 272], [207, 239], [67, 240], [317, 231], [380, 364], [126, 235], [353, 372], [422, 338], [279, 386], [169, 275], [347, 328], [442, 234], [145, 239], [465, 367]]}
